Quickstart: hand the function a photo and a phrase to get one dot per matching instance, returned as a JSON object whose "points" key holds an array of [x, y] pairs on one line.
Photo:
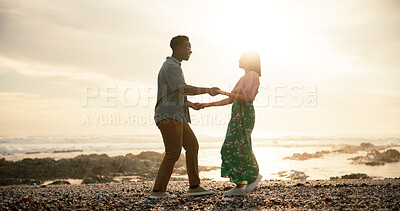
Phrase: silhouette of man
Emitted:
{"points": [[172, 118]]}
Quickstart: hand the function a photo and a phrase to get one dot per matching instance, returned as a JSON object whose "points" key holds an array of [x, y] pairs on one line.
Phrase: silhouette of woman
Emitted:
{"points": [[238, 160]]}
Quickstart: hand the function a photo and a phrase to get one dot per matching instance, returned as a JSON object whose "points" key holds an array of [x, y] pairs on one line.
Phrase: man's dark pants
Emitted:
{"points": [[175, 135]]}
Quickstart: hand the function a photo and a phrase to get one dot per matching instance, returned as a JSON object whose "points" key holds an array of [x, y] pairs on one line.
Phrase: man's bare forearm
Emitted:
{"points": [[221, 102], [193, 90]]}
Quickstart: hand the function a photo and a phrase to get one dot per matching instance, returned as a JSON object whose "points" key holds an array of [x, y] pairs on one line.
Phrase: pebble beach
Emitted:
{"points": [[355, 194]]}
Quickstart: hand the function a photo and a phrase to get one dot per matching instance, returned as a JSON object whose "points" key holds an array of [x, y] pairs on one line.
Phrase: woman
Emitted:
{"points": [[238, 160]]}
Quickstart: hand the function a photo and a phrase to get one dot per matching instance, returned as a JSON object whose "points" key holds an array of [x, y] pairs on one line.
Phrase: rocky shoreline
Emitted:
{"points": [[375, 154], [143, 166], [314, 194]]}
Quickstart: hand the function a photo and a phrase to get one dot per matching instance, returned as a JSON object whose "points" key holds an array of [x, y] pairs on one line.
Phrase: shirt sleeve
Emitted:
{"points": [[174, 78], [238, 86], [251, 85]]}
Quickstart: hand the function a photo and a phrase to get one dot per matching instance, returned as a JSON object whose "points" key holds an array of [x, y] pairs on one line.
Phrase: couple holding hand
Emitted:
{"points": [[172, 118]]}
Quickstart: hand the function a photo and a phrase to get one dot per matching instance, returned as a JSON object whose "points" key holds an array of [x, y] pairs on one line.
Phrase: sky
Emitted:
{"points": [[90, 67]]}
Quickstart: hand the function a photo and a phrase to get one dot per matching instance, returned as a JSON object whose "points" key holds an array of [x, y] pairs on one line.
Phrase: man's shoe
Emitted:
{"points": [[199, 191], [235, 192], [161, 195], [253, 185]]}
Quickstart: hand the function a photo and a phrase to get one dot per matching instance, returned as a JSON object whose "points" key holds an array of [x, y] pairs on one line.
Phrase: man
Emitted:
{"points": [[172, 118]]}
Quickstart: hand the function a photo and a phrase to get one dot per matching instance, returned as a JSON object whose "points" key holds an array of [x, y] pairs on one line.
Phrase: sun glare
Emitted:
{"points": [[272, 28]]}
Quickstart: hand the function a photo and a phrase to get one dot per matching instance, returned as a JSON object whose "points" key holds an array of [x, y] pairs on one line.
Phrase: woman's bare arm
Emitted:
{"points": [[239, 97], [223, 102]]}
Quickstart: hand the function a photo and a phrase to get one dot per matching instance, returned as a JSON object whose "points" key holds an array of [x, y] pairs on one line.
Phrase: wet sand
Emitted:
{"points": [[313, 194]]}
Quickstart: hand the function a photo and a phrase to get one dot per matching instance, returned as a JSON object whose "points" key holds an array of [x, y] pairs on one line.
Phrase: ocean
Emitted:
{"points": [[319, 157]]}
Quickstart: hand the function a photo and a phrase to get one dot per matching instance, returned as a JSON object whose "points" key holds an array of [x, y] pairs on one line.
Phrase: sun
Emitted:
{"points": [[272, 28]]}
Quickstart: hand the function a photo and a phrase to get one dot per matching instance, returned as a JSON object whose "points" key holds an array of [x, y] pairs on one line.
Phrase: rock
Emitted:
{"points": [[376, 158], [152, 156], [97, 179], [355, 176], [389, 156], [367, 146], [89, 181], [146, 163], [293, 175], [306, 156], [157, 157], [349, 149], [142, 165], [67, 151], [16, 181], [60, 182]]}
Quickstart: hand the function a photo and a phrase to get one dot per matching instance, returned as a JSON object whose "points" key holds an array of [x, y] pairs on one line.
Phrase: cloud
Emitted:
{"points": [[14, 82], [68, 83], [368, 30], [31, 114], [61, 75], [110, 39], [54, 74]]}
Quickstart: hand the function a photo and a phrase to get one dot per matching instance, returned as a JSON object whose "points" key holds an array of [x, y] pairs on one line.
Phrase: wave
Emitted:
{"points": [[45, 144]]}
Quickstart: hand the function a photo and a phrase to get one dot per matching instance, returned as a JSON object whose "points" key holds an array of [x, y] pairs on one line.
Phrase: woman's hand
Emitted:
{"points": [[198, 106], [204, 105]]}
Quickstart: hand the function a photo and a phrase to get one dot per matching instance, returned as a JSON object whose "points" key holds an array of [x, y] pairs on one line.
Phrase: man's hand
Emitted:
{"points": [[196, 106], [213, 91], [204, 105], [223, 93]]}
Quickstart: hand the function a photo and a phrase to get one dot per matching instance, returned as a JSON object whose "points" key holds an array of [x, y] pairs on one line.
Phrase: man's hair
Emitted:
{"points": [[177, 41]]}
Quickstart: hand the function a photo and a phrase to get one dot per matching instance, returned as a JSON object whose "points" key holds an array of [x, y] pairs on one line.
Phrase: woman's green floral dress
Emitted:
{"points": [[238, 160]]}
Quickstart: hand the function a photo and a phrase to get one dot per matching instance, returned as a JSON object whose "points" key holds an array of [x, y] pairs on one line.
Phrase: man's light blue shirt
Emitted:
{"points": [[170, 102]]}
